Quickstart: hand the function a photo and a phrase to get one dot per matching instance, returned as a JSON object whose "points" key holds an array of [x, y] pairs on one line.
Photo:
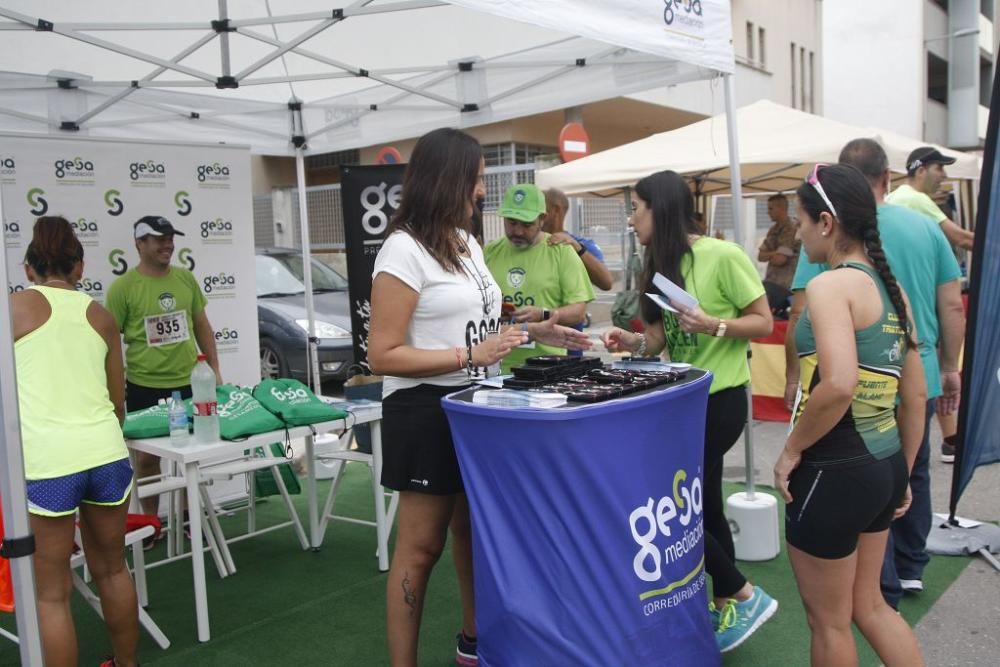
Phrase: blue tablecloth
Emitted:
{"points": [[587, 530]]}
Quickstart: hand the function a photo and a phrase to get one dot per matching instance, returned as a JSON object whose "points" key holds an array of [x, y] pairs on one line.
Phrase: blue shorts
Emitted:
{"points": [[109, 484]]}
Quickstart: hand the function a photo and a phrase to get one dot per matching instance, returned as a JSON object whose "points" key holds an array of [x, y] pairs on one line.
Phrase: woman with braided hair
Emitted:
{"points": [[845, 465]]}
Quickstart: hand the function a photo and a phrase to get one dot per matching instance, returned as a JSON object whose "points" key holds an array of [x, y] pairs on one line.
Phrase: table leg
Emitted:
{"points": [[315, 538], [381, 529], [192, 477]]}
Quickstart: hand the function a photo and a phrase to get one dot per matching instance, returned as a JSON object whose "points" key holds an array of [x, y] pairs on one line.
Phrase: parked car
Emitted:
{"points": [[283, 322]]}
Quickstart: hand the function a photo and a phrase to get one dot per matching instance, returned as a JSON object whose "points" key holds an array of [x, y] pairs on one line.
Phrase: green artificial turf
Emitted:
{"points": [[285, 606]]}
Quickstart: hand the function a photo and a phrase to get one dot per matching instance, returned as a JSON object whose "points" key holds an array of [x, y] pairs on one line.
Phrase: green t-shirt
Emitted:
{"points": [[546, 276], [724, 281], [921, 259], [907, 197], [156, 316]]}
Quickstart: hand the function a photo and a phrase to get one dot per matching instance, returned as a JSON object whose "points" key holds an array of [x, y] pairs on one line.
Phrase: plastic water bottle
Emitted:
{"points": [[206, 415], [178, 421]]}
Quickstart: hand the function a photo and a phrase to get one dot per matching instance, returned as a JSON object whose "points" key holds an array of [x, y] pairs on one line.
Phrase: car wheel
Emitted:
{"points": [[272, 361]]}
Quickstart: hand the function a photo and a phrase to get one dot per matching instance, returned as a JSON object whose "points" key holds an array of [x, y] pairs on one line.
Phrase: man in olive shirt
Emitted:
{"points": [[780, 249], [542, 280], [160, 311]]}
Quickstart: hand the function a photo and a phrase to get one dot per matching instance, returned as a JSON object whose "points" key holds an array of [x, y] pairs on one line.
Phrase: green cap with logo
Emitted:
{"points": [[524, 202]]}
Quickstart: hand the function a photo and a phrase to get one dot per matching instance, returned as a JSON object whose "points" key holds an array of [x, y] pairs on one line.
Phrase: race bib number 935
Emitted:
{"points": [[166, 329]]}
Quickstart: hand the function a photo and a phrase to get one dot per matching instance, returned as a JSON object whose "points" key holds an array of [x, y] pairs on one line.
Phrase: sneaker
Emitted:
{"points": [[738, 620], [715, 615], [911, 585], [947, 451], [466, 654]]}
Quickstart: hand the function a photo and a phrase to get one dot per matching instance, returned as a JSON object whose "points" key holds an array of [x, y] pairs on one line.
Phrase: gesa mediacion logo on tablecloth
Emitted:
{"points": [[182, 203], [92, 286], [214, 175], [147, 173], [12, 232], [686, 13], [668, 530], [87, 231], [8, 169], [219, 230], [113, 200], [37, 203], [220, 285], [227, 339], [74, 171]]}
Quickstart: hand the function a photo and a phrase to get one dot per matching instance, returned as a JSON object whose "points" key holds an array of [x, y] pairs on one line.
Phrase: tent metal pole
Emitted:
{"points": [[224, 41], [312, 340], [15, 508], [734, 164]]}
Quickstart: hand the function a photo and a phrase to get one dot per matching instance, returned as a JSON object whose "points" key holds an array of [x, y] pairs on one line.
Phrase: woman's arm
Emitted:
{"points": [[619, 340], [393, 303], [755, 321], [912, 412], [114, 366]]}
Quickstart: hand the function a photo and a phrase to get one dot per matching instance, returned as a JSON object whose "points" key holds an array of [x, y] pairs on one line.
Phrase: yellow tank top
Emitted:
{"points": [[68, 423]]}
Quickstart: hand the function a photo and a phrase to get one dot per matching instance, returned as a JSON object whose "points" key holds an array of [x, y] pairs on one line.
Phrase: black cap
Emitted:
{"points": [[925, 155], [154, 225]]}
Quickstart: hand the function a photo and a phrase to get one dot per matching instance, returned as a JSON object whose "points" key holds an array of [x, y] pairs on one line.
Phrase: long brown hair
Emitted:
{"points": [[437, 187], [54, 248]]}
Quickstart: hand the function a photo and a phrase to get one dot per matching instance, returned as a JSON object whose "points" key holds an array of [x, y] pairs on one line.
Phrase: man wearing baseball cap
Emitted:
{"points": [[545, 282], [924, 175], [160, 311]]}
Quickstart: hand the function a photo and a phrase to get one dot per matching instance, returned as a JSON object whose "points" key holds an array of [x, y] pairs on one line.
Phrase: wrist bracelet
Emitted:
{"points": [[642, 345], [458, 355]]}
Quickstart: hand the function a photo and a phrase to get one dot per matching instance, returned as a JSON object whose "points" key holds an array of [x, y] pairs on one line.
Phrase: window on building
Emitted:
{"points": [[500, 155], [750, 37], [812, 82], [986, 8], [792, 77], [761, 51], [985, 81], [937, 78], [802, 77], [335, 159]]}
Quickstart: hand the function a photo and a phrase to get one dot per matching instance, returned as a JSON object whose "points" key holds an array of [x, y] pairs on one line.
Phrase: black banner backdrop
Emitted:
{"points": [[369, 196]]}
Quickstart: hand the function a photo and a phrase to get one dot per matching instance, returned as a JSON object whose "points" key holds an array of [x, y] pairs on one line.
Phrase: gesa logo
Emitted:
{"points": [[146, 170], [654, 519], [112, 199], [7, 166], [289, 394], [182, 203], [674, 6], [12, 228], [84, 227], [373, 200], [220, 282], [212, 172], [520, 300], [91, 287], [217, 227], [76, 166], [39, 204], [15, 287], [116, 258], [227, 336]]}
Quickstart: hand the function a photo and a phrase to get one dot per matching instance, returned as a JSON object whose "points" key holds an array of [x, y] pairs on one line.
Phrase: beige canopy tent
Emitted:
{"points": [[777, 147]]}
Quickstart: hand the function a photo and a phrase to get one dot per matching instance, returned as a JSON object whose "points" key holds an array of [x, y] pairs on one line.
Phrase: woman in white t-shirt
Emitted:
{"points": [[434, 330]]}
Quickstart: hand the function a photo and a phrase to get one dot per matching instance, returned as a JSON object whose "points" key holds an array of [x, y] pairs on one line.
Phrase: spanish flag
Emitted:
{"points": [[767, 375]]}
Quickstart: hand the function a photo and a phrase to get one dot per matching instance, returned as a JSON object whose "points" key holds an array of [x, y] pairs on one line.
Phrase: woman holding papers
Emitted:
{"points": [[716, 304], [844, 469], [434, 330]]}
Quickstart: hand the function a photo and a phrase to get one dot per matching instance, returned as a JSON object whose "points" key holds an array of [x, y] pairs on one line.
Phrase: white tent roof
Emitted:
{"points": [[777, 147], [365, 72]]}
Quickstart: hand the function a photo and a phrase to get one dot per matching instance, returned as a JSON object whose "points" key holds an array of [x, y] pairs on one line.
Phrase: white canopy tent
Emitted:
{"points": [[777, 147], [313, 77]]}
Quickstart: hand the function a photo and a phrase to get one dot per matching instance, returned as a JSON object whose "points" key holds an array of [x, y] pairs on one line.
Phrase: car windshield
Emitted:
{"points": [[279, 275]]}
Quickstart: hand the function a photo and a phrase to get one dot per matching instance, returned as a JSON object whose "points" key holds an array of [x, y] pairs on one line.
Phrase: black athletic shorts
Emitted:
{"points": [[833, 503], [418, 453], [138, 397]]}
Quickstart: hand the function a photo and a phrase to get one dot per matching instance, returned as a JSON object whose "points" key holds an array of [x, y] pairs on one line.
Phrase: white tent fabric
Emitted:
{"points": [[327, 77], [777, 147], [370, 72]]}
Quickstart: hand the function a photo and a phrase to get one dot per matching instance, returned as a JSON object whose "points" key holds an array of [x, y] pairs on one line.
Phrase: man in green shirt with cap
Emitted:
{"points": [[542, 281]]}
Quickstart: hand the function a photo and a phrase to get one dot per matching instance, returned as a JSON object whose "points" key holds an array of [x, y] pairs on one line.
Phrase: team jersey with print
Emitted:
{"points": [[868, 428], [724, 280], [544, 276], [156, 317]]}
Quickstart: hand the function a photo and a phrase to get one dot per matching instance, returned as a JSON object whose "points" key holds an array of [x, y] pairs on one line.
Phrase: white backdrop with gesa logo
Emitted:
{"points": [[102, 187]]}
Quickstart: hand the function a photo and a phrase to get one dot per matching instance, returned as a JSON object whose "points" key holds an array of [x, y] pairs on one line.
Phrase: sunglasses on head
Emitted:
{"points": [[813, 180]]}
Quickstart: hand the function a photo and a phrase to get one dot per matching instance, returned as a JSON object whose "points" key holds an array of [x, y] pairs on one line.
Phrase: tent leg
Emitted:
{"points": [[312, 340], [985, 553], [736, 182]]}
